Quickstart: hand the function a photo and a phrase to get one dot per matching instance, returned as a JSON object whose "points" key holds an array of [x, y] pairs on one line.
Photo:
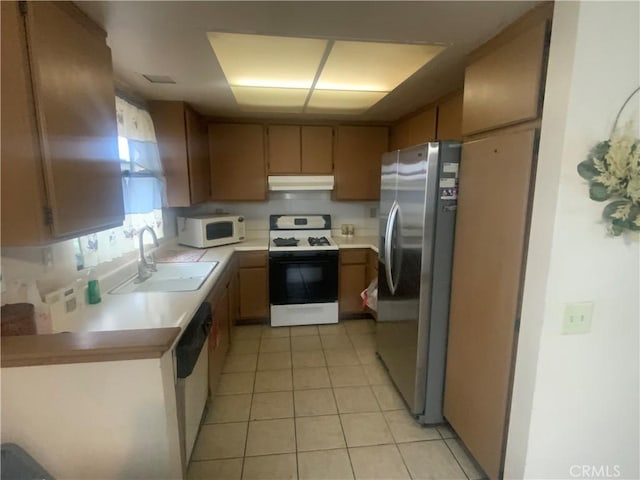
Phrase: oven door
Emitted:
{"points": [[303, 277]]}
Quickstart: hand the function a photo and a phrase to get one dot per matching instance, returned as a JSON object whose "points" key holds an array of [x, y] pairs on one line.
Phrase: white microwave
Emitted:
{"points": [[210, 231]]}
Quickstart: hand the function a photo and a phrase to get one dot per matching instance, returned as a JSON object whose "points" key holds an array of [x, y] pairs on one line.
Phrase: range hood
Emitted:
{"points": [[300, 182]]}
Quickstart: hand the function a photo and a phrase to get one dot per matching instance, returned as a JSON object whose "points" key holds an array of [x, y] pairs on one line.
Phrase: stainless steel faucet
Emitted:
{"points": [[146, 265]]}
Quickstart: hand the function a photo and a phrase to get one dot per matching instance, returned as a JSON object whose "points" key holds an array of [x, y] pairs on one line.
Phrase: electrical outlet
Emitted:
{"points": [[577, 318], [373, 212]]}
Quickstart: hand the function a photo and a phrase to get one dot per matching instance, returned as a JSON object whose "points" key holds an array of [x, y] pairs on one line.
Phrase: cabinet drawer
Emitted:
{"points": [[355, 256], [252, 259]]}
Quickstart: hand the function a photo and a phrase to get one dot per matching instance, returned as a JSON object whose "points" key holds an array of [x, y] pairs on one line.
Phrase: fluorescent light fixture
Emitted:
{"points": [[264, 61], [342, 101], [369, 66], [286, 100], [277, 74]]}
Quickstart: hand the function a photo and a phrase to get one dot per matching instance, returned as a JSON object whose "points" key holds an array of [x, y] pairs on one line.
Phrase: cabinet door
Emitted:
{"points": [[219, 338], [284, 149], [238, 169], [234, 300], [504, 86], [317, 150], [254, 293], [357, 164], [169, 125], [450, 119], [75, 106], [422, 127], [352, 281], [399, 136], [198, 157], [491, 231], [22, 179], [372, 266]]}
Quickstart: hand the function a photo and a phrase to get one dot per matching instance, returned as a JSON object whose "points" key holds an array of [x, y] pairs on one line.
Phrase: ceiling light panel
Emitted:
{"points": [[373, 66], [265, 61], [281, 100], [342, 101]]}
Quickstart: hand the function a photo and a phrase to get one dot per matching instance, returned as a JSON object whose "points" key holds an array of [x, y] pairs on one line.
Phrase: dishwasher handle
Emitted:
{"points": [[194, 337]]}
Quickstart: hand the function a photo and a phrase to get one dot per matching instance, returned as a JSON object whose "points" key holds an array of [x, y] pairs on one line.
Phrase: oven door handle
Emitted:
{"points": [[388, 238]]}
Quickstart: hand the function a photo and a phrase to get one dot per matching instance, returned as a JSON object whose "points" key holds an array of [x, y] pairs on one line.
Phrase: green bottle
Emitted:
{"points": [[93, 290]]}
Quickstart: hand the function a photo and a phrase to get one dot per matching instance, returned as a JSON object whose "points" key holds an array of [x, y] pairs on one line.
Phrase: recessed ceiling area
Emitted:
{"points": [[301, 75], [172, 39]]}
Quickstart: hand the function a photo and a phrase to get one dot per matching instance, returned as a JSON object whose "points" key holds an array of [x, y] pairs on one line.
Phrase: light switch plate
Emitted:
{"points": [[577, 318]]}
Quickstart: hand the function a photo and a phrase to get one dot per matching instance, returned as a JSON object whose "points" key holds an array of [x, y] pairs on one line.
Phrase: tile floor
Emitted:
{"points": [[314, 402]]}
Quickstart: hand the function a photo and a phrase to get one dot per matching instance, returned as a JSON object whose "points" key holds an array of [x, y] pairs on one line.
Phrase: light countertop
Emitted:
{"points": [[134, 311], [357, 242]]}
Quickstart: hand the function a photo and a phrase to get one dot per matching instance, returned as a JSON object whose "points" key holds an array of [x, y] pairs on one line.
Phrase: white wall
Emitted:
{"points": [[576, 397], [107, 420]]}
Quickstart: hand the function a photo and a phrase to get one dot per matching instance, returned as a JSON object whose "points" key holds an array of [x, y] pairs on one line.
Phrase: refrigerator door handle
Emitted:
{"points": [[391, 224]]}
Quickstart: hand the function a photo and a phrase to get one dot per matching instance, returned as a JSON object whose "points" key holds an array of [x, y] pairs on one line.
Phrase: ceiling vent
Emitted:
{"points": [[159, 78]]}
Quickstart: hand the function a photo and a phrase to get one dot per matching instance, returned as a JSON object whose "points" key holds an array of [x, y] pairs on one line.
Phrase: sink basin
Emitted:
{"points": [[170, 277]]}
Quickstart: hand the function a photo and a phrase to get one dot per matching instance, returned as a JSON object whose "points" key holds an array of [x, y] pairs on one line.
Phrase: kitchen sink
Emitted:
{"points": [[169, 277]]}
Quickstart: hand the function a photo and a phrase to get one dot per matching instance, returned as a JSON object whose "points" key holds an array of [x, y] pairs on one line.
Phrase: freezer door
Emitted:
{"points": [[399, 333], [388, 184]]}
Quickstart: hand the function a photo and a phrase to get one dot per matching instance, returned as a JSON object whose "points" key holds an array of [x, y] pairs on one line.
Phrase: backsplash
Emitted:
{"points": [[306, 202], [54, 266]]}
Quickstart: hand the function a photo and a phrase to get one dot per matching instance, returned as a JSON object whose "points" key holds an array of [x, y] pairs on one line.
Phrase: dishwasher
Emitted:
{"points": [[192, 385]]}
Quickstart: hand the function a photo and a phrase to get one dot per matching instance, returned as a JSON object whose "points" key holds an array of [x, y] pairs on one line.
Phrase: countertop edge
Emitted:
{"points": [[86, 347]]}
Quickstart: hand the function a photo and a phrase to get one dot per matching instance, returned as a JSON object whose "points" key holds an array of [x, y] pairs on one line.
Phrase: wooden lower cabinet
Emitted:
{"points": [[372, 266], [372, 273], [234, 298], [219, 336], [223, 300], [352, 281], [253, 285]]}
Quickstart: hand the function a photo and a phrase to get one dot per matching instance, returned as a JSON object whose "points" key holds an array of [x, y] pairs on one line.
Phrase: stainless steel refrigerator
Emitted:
{"points": [[418, 199]]}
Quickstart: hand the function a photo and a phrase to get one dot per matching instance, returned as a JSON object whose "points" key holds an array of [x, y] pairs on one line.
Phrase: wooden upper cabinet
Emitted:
{"points": [[295, 149], [76, 154], [198, 156], [317, 149], [503, 85], [450, 119], [357, 162], [417, 129], [284, 149], [23, 196], [184, 151], [238, 170]]}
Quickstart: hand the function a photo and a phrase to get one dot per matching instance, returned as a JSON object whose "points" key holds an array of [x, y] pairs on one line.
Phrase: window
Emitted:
{"points": [[143, 190]]}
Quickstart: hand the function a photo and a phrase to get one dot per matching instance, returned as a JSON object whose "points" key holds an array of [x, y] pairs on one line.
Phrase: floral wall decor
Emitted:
{"points": [[612, 168]]}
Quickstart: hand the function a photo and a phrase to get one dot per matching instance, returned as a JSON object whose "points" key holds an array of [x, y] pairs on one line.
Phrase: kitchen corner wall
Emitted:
{"points": [[364, 215], [576, 398]]}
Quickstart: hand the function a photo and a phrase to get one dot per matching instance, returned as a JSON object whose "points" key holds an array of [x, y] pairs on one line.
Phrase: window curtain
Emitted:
{"points": [[143, 189]]}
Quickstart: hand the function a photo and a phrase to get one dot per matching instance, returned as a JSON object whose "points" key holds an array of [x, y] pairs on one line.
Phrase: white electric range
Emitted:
{"points": [[303, 270]]}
